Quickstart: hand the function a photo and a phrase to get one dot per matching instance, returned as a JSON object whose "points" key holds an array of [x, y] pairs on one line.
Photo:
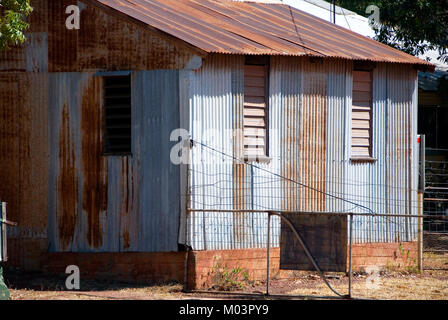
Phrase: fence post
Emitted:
{"points": [[350, 269], [4, 249], [421, 191], [268, 254], [186, 288], [420, 232]]}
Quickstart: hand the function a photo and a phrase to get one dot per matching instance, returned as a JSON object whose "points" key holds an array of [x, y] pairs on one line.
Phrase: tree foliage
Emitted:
{"points": [[413, 26], [12, 22]]}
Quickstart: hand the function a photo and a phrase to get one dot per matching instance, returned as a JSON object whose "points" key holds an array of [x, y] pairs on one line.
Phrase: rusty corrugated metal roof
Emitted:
{"points": [[224, 26]]}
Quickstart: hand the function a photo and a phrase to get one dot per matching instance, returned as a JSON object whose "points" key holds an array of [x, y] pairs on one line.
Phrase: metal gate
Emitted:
{"points": [[434, 167], [238, 212], [4, 292]]}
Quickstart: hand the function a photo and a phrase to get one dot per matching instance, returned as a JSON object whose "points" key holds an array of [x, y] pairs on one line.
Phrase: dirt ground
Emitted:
{"points": [[384, 284]]}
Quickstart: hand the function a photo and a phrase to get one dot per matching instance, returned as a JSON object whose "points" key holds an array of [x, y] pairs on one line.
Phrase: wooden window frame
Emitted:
{"points": [[254, 60], [363, 67]]}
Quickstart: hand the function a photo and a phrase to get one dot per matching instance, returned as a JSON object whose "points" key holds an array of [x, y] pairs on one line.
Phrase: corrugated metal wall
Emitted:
{"points": [[213, 98], [24, 162], [309, 117], [113, 203], [63, 193]]}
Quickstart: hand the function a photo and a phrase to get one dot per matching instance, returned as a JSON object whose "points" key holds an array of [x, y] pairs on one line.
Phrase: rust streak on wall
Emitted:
{"points": [[126, 202], [126, 181], [313, 133], [94, 201], [67, 183], [239, 198], [126, 240]]}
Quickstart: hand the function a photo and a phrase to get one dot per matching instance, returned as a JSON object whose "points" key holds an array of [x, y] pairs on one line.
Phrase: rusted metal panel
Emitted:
{"points": [[101, 203], [24, 154], [74, 221], [38, 19], [335, 135], [106, 41], [309, 117], [212, 106], [13, 60], [325, 237], [23, 136], [382, 185], [31, 57], [401, 151], [10, 154], [256, 28], [313, 137], [287, 82]]}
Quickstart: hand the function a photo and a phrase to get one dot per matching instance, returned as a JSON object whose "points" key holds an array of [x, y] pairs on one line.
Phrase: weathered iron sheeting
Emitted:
{"points": [[223, 26], [118, 203], [211, 121], [23, 154], [387, 184], [104, 41], [308, 143]]}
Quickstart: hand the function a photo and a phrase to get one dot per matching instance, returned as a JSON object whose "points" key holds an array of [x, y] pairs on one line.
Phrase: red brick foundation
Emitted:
{"points": [[389, 255], [135, 267], [204, 266]]}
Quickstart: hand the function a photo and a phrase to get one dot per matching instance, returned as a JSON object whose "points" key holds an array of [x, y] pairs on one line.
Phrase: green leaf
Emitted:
{"points": [[12, 22]]}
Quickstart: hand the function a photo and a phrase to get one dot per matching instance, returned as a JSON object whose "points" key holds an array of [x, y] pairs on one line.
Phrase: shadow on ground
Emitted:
{"points": [[39, 281]]}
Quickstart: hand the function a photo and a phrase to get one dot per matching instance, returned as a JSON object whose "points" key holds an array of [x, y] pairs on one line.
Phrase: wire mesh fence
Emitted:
{"points": [[220, 181], [334, 250], [436, 196], [230, 201]]}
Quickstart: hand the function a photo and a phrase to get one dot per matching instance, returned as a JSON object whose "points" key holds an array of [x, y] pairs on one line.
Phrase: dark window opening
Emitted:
{"points": [[432, 123], [117, 106]]}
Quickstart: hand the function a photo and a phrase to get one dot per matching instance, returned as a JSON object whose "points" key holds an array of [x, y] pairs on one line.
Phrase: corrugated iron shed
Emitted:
{"points": [[224, 26]]}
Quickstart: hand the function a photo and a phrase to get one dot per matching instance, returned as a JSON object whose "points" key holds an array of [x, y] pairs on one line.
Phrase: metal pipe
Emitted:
{"points": [[188, 204], [436, 188], [325, 213], [350, 271], [420, 232], [436, 199], [268, 254], [307, 252], [185, 287], [256, 295], [3, 226], [422, 180], [334, 12]]}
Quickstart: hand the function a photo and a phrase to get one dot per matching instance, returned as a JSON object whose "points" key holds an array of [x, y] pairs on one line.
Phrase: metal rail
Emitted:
{"points": [[325, 213]]}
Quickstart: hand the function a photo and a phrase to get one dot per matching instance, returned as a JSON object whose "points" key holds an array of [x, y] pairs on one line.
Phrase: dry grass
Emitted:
{"points": [[153, 292], [431, 284], [405, 287], [37, 286]]}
